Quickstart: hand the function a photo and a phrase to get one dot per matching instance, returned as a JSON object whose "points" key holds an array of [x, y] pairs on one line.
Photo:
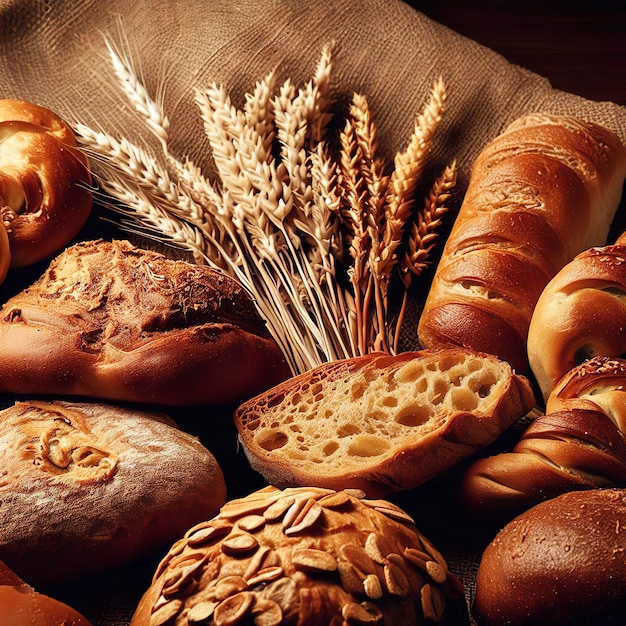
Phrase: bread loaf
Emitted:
{"points": [[303, 556], [562, 451], [598, 384], [379, 422], [89, 487], [580, 314], [45, 181], [109, 320], [559, 563], [540, 193], [21, 605]]}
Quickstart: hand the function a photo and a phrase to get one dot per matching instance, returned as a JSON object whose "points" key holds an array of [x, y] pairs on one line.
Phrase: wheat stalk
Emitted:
{"points": [[312, 237]]}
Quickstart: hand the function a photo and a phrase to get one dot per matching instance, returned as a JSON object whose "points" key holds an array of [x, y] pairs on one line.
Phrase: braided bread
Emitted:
{"points": [[543, 191]]}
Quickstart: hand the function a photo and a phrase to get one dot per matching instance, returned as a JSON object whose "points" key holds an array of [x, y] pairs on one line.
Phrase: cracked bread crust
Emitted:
{"points": [[381, 423], [110, 320]]}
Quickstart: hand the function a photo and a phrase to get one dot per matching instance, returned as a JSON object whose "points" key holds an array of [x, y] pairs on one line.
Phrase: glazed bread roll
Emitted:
{"points": [[378, 422], [109, 320], [597, 384], [89, 487], [21, 605], [580, 314], [45, 181], [540, 193], [562, 451], [559, 563], [303, 556]]}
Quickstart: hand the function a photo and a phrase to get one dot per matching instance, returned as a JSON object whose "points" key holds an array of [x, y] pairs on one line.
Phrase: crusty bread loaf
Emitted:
{"points": [[303, 556], [45, 181], [109, 320], [580, 314], [598, 384], [543, 191], [561, 451], [21, 605], [88, 487], [379, 422], [560, 563]]}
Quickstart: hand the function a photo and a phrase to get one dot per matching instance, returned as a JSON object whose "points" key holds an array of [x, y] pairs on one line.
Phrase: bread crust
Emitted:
{"points": [[304, 556], [580, 314], [45, 181], [543, 191], [558, 563], [111, 321], [380, 423], [88, 487]]}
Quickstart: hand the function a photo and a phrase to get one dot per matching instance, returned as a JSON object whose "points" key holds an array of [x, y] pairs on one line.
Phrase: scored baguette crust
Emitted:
{"points": [[543, 191], [580, 314], [89, 487], [381, 423], [305, 557], [558, 564], [112, 321]]}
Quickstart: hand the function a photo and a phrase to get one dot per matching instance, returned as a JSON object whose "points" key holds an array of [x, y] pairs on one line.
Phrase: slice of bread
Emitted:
{"points": [[381, 423]]}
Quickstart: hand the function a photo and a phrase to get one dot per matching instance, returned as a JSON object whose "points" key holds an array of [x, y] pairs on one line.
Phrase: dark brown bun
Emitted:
{"points": [[21, 605], [109, 320], [559, 563], [44, 181], [89, 487], [303, 556]]}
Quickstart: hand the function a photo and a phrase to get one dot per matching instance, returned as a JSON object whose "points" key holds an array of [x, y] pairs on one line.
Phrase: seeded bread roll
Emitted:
{"points": [[381, 423], [303, 556], [45, 181], [539, 194], [559, 563], [21, 605], [109, 320], [562, 451], [580, 314], [89, 487]]}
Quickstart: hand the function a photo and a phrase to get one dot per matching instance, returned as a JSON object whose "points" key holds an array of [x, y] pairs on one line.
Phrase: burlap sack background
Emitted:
{"points": [[53, 53]]}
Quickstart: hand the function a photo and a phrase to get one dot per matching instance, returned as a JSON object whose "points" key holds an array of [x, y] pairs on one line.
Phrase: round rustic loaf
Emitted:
{"points": [[110, 320], [303, 556], [89, 487], [45, 181], [21, 605], [559, 563]]}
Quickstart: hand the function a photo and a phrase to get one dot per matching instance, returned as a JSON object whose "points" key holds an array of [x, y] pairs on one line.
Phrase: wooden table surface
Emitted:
{"points": [[579, 46]]}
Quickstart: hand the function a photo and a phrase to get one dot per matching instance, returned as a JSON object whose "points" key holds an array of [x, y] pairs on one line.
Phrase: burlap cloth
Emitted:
{"points": [[53, 53]]}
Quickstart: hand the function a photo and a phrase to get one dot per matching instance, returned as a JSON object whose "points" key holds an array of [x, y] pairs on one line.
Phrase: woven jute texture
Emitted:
{"points": [[54, 53]]}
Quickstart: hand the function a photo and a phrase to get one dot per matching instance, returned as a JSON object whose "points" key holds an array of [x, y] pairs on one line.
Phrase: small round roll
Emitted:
{"points": [[559, 563], [304, 556], [580, 314], [21, 605], [45, 182]]}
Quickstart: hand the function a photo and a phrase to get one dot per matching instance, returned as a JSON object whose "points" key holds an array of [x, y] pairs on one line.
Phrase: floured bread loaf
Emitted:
{"points": [[88, 487], [303, 556], [378, 422], [109, 320]]}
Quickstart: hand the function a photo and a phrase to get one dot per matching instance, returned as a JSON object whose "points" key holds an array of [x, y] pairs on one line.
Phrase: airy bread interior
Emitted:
{"points": [[337, 417]]}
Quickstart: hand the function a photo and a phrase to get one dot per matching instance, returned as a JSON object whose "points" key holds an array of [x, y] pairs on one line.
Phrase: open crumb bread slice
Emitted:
{"points": [[381, 423]]}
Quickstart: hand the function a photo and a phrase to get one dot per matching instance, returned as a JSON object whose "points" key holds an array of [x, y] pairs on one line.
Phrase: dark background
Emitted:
{"points": [[579, 46]]}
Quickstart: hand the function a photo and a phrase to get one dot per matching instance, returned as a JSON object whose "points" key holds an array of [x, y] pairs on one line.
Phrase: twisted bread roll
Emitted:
{"points": [[45, 195], [540, 193], [562, 451], [580, 314], [305, 557], [597, 384]]}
